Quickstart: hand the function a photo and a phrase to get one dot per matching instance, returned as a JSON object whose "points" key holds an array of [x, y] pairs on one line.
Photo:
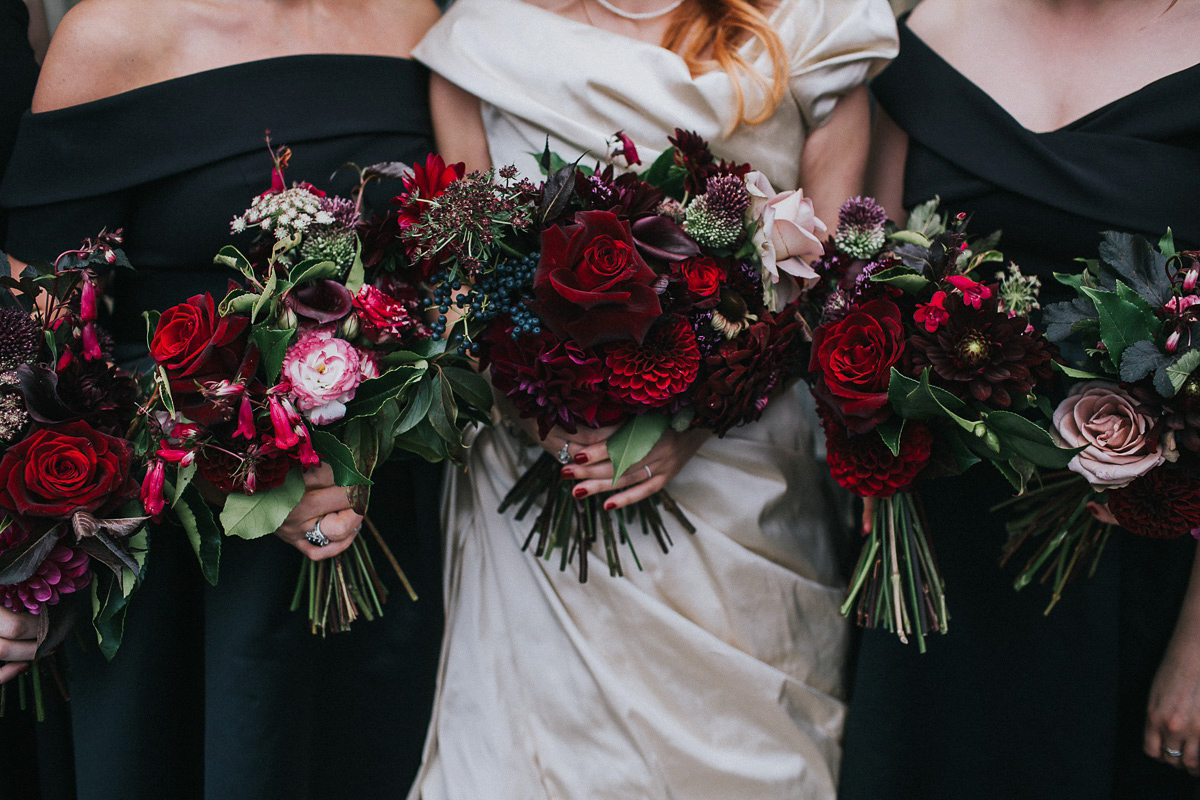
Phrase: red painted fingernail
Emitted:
{"points": [[568, 473], [581, 458], [610, 506], [580, 491]]}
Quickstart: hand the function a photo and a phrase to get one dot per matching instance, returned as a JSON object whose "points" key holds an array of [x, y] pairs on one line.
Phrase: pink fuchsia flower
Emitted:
{"points": [[282, 423], [1120, 441], [63, 572], [787, 235], [973, 292], [175, 455], [308, 455], [324, 373], [87, 301], [931, 315], [627, 149], [245, 418]]}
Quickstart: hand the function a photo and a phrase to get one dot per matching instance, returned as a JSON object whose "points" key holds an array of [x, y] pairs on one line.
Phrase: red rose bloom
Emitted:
{"points": [[863, 464], [663, 366], [704, 278], [853, 358], [198, 347], [54, 472], [591, 284], [392, 315]]}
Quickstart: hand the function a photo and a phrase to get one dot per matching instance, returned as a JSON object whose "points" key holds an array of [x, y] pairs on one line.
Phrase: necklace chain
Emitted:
{"points": [[642, 14]]}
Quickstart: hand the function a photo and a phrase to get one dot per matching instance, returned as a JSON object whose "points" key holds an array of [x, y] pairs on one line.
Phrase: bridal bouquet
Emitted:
{"points": [[922, 366], [1132, 413], [669, 298], [69, 516], [321, 353]]}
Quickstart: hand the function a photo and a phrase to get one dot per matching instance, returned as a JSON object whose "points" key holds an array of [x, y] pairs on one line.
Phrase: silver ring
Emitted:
{"points": [[564, 455], [315, 537], [1169, 753], [649, 474]]}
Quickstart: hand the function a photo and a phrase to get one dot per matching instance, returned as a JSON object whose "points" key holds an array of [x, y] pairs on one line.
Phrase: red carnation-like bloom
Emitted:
{"points": [[428, 180], [863, 464], [663, 366], [1162, 504], [64, 571]]}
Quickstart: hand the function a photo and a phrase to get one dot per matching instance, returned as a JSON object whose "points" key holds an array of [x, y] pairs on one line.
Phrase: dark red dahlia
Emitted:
{"points": [[653, 373], [742, 374], [1162, 504], [233, 466], [863, 463], [64, 571], [99, 393], [428, 180], [981, 353], [1180, 414]]}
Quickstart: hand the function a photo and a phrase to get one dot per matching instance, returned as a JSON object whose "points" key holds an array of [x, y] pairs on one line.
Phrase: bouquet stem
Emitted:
{"points": [[572, 525], [896, 583], [28, 686], [1058, 513], [338, 591]]}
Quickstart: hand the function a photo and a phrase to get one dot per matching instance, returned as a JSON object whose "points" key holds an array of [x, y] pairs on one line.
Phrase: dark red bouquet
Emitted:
{"points": [[69, 516], [666, 298], [921, 366], [321, 352]]}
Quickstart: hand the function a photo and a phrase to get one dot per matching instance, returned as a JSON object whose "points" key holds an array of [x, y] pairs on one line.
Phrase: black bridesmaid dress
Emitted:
{"points": [[222, 693], [1010, 704]]}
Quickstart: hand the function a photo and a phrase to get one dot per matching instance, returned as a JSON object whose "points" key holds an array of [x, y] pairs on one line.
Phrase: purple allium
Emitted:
{"points": [[860, 230]]}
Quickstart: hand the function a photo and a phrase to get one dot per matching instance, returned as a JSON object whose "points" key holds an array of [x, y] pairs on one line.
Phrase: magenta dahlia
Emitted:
{"points": [[64, 571]]}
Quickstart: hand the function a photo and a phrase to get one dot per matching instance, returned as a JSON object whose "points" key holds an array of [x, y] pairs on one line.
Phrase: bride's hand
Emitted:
{"points": [[594, 471], [18, 643], [325, 502]]}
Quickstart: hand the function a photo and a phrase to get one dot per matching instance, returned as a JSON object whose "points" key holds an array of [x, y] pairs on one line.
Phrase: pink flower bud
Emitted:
{"points": [[152, 488], [308, 456], [1173, 341], [1190, 278], [174, 455], [87, 302], [285, 435], [245, 426]]}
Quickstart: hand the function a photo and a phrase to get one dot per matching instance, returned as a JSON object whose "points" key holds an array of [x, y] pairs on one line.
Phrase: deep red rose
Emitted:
{"points": [[655, 372], [853, 358], [200, 348], [556, 383], [591, 284], [863, 463], [704, 277], [71, 467], [388, 316]]}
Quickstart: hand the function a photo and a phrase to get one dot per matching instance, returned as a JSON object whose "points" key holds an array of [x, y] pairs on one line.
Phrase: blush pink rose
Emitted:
{"points": [[1120, 441], [788, 234], [324, 372]]}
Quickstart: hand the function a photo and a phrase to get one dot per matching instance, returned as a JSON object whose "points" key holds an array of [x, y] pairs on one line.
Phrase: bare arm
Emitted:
{"points": [[885, 166], [834, 160], [458, 124], [1173, 712], [39, 30]]}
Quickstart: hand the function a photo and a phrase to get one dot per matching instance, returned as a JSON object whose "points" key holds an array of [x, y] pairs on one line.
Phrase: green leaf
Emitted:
{"points": [[230, 256], [238, 301], [1140, 359], [197, 520], [919, 400], [258, 514], [1176, 374], [470, 386], [442, 412], [890, 432], [634, 440], [1079, 374], [164, 388], [357, 275], [417, 407], [267, 298], [424, 442], [183, 479], [925, 220], [1125, 319], [311, 270], [151, 318], [372, 394], [18, 563], [109, 604], [340, 458], [910, 237], [1166, 245], [666, 175], [1129, 258], [272, 343], [1072, 279], [1028, 440], [903, 278]]}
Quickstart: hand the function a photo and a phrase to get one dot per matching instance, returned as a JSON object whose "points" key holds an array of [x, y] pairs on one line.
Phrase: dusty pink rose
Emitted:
{"points": [[1121, 444], [323, 371], [789, 233]]}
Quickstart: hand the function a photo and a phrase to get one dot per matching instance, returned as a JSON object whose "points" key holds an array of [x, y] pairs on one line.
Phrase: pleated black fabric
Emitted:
{"points": [[223, 693], [1012, 705]]}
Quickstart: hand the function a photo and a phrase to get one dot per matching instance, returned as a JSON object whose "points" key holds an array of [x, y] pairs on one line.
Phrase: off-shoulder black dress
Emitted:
{"points": [[1010, 704], [222, 692]]}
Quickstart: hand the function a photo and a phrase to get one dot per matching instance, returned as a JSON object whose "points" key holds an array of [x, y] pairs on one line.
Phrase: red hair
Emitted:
{"points": [[711, 40]]}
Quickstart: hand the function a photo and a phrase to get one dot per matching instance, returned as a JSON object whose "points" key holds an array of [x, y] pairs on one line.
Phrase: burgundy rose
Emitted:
{"points": [[704, 278], [853, 358], [201, 349], [556, 383], [591, 284], [56, 471]]}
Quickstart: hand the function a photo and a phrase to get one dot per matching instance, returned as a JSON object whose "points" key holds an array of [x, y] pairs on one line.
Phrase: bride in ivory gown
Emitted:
{"points": [[718, 669]]}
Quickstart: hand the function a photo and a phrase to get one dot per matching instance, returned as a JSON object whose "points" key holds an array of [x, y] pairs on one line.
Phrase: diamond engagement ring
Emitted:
{"points": [[564, 456], [1169, 753], [315, 537]]}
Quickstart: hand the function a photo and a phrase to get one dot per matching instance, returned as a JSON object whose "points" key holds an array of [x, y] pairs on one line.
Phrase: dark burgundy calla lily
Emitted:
{"points": [[321, 301]]}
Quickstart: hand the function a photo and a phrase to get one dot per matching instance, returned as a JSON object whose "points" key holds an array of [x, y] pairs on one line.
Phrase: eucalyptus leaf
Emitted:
{"points": [[339, 457], [256, 515], [633, 441]]}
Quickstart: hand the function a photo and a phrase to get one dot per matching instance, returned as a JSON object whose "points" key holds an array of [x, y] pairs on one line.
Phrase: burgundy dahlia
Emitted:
{"points": [[1162, 504], [64, 571], [864, 464], [663, 366], [981, 353]]}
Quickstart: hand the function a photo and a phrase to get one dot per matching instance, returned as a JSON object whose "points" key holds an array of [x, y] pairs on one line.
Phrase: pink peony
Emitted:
{"points": [[324, 372], [788, 234], [1120, 442]]}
